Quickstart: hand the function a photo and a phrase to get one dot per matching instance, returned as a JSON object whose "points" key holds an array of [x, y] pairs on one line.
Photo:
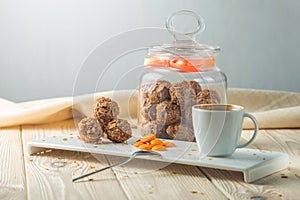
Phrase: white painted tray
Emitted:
{"points": [[254, 164]]}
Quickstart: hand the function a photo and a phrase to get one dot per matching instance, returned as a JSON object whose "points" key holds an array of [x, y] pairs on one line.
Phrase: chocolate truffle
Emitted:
{"points": [[153, 128], [148, 110], [158, 91], [208, 97], [105, 110], [167, 113], [90, 130], [118, 130], [195, 87], [180, 132], [184, 92]]}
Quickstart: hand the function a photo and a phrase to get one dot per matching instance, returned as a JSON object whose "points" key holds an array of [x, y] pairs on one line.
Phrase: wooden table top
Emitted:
{"points": [[38, 177]]}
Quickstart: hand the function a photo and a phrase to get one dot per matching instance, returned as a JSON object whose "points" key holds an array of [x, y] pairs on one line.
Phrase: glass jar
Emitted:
{"points": [[178, 76]]}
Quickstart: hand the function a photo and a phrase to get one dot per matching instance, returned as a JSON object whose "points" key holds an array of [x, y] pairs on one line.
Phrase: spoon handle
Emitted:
{"points": [[105, 168]]}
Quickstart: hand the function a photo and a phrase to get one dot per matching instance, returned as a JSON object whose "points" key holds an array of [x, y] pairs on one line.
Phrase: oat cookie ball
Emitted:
{"points": [[105, 110], [153, 128], [90, 130], [167, 113], [208, 97], [184, 92], [118, 130], [180, 132], [147, 110], [194, 87], [158, 91]]}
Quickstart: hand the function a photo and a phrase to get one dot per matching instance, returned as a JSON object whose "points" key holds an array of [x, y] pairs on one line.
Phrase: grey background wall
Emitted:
{"points": [[43, 43]]}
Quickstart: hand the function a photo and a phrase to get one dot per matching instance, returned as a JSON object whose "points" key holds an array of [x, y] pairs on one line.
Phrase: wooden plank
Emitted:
{"points": [[281, 185], [142, 179], [12, 174], [49, 175], [45, 181]]}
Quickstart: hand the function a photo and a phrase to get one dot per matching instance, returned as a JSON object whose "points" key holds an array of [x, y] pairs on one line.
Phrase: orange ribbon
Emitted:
{"points": [[184, 65]]}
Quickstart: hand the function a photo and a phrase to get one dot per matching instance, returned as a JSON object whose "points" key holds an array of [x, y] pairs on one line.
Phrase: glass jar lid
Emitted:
{"points": [[184, 53], [185, 49], [185, 40]]}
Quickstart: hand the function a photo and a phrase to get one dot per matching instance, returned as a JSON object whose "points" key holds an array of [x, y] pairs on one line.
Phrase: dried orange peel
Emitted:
{"points": [[150, 142]]}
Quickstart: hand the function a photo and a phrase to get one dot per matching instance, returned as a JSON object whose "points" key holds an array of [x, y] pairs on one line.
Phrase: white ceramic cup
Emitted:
{"points": [[218, 128]]}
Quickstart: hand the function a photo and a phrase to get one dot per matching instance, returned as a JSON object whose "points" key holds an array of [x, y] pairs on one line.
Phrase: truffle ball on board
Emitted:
{"points": [[105, 110], [90, 130], [118, 130]]}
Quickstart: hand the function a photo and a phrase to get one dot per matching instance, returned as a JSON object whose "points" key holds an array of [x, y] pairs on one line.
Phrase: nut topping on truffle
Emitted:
{"points": [[167, 113], [185, 92], [208, 97], [118, 130], [158, 91], [90, 130], [105, 110]]}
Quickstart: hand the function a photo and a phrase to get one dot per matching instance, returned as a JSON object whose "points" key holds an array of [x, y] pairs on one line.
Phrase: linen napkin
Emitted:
{"points": [[273, 109]]}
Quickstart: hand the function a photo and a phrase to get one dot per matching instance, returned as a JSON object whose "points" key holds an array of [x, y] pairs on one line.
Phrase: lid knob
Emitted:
{"points": [[177, 24]]}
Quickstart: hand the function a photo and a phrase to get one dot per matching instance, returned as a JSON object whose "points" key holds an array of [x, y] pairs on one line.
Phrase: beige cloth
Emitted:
{"points": [[272, 109]]}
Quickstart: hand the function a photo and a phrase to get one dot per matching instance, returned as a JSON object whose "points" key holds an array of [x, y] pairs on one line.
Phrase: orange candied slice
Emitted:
{"points": [[158, 148], [169, 144], [138, 143], [148, 138], [157, 142], [145, 146]]}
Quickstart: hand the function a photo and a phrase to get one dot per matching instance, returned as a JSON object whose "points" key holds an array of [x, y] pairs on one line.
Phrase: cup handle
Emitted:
{"points": [[255, 130]]}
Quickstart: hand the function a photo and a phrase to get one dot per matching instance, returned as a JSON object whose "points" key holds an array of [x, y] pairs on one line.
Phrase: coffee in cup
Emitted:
{"points": [[218, 128]]}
